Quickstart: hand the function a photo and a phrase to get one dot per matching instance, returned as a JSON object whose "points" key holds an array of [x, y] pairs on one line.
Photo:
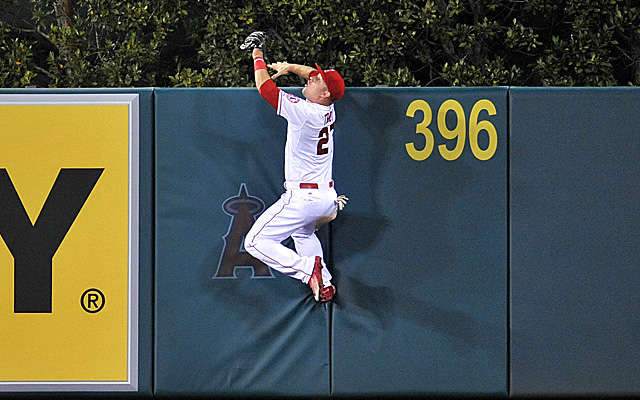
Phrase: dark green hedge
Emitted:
{"points": [[85, 43]]}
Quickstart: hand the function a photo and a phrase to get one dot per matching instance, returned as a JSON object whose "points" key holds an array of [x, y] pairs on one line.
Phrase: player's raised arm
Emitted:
{"points": [[256, 42], [284, 68], [260, 69]]}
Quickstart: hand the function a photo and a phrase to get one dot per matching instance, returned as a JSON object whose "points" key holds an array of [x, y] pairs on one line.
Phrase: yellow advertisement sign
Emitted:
{"points": [[68, 242]]}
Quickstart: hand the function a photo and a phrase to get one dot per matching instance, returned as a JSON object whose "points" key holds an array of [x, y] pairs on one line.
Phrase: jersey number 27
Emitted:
{"points": [[324, 136]]}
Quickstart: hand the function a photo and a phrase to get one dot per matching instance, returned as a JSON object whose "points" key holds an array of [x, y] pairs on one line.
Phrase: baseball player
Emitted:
{"points": [[310, 199]]}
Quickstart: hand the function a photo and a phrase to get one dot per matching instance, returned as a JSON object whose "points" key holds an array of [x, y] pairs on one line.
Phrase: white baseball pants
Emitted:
{"points": [[293, 215]]}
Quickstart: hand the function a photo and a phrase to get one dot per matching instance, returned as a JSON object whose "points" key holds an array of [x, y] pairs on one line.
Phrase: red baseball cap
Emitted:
{"points": [[333, 80]]}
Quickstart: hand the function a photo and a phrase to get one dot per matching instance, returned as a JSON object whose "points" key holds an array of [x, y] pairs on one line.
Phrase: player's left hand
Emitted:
{"points": [[342, 201], [255, 40]]}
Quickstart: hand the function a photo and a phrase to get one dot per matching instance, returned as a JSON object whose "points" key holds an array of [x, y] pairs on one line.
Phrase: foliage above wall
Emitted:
{"points": [[191, 43]]}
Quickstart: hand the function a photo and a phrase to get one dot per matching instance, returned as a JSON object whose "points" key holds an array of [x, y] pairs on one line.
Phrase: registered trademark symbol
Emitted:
{"points": [[92, 301]]}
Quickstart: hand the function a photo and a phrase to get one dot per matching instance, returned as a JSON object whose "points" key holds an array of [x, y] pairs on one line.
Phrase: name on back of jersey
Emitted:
{"points": [[328, 117]]}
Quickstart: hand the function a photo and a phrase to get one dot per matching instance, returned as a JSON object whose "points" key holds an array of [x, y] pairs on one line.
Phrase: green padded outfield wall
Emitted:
{"points": [[575, 240], [459, 198], [226, 325], [420, 251], [419, 254]]}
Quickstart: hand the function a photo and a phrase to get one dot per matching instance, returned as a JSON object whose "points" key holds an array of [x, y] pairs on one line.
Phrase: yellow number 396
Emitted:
{"points": [[458, 133]]}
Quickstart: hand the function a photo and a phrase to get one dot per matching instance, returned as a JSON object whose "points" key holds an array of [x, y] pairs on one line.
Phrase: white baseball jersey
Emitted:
{"points": [[309, 147]]}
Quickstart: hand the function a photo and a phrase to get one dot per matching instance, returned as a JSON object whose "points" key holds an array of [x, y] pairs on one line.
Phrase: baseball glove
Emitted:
{"points": [[257, 39]]}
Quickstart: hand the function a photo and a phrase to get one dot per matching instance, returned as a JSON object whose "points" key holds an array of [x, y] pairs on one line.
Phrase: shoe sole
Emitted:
{"points": [[325, 299], [316, 290]]}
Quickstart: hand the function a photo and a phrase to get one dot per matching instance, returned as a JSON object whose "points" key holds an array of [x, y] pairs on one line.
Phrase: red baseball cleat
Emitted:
{"points": [[327, 293], [316, 279]]}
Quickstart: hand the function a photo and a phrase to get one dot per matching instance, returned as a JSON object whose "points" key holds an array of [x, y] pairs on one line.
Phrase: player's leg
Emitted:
{"points": [[264, 239], [308, 245], [281, 258], [305, 238]]}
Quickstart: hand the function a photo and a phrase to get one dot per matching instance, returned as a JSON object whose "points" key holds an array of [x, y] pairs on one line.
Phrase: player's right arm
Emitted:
{"points": [[284, 68], [256, 41]]}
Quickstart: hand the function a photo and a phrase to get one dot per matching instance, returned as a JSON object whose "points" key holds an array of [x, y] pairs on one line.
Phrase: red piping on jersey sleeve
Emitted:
{"points": [[270, 92]]}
